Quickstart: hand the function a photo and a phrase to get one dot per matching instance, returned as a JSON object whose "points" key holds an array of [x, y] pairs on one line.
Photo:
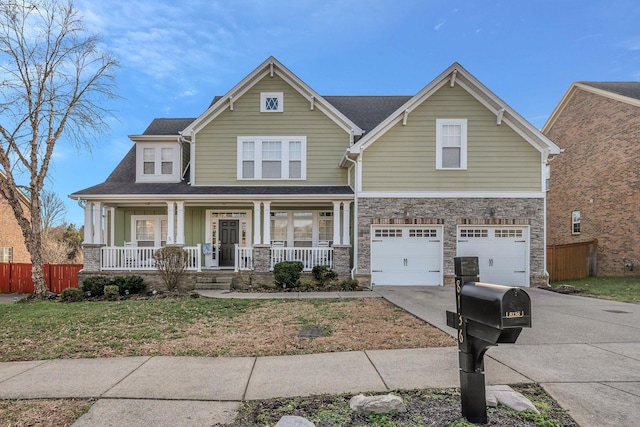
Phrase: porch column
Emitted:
{"points": [[97, 223], [180, 226], [171, 210], [256, 224], [346, 218], [267, 223], [88, 222], [112, 226], [336, 223]]}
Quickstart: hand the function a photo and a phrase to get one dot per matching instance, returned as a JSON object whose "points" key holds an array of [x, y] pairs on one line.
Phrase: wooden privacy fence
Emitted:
{"points": [[572, 261], [17, 277]]}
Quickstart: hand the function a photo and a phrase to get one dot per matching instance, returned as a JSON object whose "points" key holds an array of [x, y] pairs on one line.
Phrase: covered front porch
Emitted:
{"points": [[123, 236], [129, 258]]}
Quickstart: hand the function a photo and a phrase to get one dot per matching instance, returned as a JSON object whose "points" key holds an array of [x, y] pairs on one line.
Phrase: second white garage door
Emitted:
{"points": [[406, 255], [503, 253]]}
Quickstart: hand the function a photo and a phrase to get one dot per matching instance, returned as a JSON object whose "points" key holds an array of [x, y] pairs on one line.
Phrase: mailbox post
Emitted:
{"points": [[486, 315]]}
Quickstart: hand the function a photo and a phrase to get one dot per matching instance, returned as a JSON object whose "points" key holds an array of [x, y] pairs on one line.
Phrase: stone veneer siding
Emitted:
{"points": [[449, 213]]}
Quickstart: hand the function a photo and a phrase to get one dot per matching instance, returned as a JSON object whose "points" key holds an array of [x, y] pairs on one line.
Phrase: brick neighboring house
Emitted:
{"points": [[12, 247], [595, 187]]}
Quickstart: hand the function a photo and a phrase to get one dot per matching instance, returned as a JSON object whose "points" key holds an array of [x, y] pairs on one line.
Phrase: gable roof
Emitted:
{"points": [[271, 66], [456, 74], [627, 92]]}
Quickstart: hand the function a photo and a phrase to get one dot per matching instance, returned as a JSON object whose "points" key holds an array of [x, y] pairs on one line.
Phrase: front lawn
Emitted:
{"points": [[623, 289], [184, 326]]}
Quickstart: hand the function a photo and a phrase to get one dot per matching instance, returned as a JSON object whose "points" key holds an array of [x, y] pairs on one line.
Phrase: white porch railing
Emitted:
{"points": [[310, 257], [141, 258], [244, 258]]}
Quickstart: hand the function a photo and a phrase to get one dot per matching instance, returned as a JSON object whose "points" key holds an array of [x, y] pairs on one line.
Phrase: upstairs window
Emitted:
{"points": [[272, 157], [157, 162], [575, 222], [271, 102], [451, 144]]}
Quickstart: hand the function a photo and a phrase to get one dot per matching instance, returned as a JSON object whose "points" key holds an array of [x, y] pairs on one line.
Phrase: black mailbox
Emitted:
{"points": [[486, 315], [496, 306]]}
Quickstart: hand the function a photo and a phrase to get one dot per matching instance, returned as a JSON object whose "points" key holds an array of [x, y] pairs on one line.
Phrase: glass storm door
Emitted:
{"points": [[228, 231]]}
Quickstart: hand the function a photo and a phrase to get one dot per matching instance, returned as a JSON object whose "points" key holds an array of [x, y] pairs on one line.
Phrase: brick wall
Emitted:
{"points": [[11, 234], [599, 175], [450, 212]]}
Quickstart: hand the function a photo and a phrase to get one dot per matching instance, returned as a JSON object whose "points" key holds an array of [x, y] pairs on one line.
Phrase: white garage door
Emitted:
{"points": [[503, 253], [406, 255]]}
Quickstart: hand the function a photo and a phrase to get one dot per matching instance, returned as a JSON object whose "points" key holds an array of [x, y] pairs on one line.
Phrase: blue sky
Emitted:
{"points": [[176, 56]]}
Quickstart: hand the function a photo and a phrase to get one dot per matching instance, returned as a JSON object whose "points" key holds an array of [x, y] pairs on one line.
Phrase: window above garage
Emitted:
{"points": [[451, 144]]}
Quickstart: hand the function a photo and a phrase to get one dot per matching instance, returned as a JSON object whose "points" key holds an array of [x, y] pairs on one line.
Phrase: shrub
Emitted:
{"points": [[349, 285], [323, 274], [71, 295], [171, 262], [287, 273], [94, 286], [111, 291], [129, 284]]}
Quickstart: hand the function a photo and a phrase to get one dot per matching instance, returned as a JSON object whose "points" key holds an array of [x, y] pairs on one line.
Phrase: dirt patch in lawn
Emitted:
{"points": [[275, 329], [49, 413]]}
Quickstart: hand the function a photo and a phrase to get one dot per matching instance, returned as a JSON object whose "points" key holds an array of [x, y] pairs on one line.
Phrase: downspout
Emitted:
{"points": [[355, 215]]}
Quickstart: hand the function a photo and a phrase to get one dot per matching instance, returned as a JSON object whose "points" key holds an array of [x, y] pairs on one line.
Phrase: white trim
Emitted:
{"points": [[253, 78], [452, 195], [161, 199], [157, 227], [535, 138], [463, 142], [284, 159], [263, 101], [158, 176]]}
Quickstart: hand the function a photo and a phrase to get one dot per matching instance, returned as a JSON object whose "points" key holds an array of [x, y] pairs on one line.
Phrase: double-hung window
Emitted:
{"points": [[272, 157], [149, 230], [575, 222], [157, 162], [451, 144]]}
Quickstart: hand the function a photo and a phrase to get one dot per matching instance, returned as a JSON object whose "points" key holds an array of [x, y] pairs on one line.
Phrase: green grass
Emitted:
{"points": [[623, 289]]}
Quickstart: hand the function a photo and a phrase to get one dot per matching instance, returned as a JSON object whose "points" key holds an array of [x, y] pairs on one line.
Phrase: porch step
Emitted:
{"points": [[214, 283], [213, 286]]}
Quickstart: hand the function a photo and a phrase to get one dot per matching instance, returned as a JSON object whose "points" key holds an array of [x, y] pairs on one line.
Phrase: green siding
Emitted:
{"points": [[404, 158], [216, 143]]}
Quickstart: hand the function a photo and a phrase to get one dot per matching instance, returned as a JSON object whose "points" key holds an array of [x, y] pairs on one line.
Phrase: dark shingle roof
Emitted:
{"points": [[167, 126], [122, 181], [367, 111], [628, 89]]}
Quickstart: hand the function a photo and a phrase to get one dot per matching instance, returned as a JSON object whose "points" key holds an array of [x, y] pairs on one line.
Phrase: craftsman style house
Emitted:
{"points": [[387, 189], [595, 193]]}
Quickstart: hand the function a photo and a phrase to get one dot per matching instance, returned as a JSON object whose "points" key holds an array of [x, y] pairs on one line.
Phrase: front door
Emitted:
{"points": [[229, 232]]}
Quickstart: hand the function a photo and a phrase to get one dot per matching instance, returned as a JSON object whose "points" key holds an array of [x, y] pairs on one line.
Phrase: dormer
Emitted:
{"points": [[158, 158]]}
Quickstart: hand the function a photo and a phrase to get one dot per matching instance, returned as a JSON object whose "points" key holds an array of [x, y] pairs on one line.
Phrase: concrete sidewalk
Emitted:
{"points": [[192, 391], [585, 352]]}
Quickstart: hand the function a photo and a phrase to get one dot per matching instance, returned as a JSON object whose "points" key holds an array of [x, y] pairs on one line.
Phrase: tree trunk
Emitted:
{"points": [[34, 245]]}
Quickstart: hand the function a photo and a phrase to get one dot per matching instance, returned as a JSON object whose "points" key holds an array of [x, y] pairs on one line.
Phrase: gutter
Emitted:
{"points": [[354, 270]]}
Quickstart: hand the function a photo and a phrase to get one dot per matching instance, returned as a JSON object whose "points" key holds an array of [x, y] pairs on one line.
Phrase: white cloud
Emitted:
{"points": [[439, 25]]}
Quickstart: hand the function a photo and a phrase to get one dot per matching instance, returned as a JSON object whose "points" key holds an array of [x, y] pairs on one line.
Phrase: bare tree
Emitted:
{"points": [[53, 210], [54, 79]]}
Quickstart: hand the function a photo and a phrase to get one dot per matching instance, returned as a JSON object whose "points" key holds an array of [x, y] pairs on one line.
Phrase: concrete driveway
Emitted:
{"points": [[585, 352]]}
